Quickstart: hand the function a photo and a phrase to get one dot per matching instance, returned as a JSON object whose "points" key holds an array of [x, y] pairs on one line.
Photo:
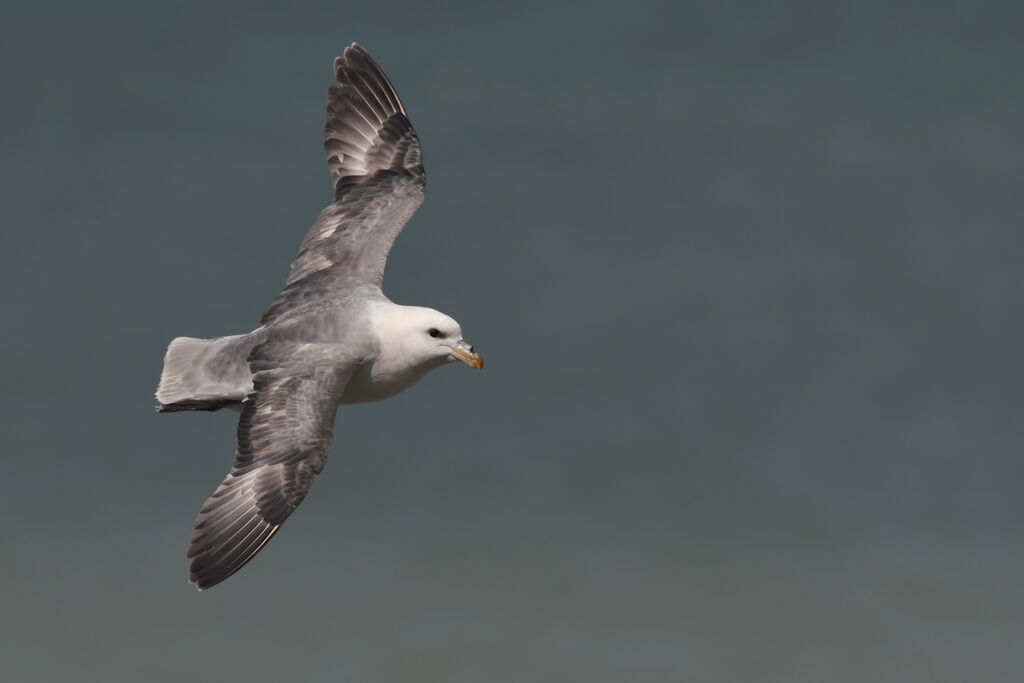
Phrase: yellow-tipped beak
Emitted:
{"points": [[464, 352]]}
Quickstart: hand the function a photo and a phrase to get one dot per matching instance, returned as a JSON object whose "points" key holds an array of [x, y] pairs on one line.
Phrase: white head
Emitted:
{"points": [[416, 337]]}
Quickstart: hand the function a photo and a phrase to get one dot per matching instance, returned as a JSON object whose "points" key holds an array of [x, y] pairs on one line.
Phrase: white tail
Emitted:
{"points": [[204, 374]]}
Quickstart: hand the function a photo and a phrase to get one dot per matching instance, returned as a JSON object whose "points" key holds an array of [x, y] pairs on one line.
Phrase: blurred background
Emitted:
{"points": [[748, 281]]}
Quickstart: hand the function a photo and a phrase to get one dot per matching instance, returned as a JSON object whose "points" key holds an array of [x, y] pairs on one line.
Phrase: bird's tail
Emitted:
{"points": [[204, 374]]}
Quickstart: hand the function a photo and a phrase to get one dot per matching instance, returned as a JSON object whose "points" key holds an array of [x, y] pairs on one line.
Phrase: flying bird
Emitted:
{"points": [[330, 337]]}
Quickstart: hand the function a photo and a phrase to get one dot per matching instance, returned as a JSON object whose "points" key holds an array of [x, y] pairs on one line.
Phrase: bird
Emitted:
{"points": [[330, 338]]}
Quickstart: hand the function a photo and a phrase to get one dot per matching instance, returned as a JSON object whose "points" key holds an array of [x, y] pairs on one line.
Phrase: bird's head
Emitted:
{"points": [[429, 337]]}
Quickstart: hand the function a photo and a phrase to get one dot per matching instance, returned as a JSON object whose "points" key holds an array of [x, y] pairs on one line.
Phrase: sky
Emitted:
{"points": [[746, 276]]}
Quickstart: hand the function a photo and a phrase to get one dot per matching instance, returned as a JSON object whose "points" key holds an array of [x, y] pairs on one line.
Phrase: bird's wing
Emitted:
{"points": [[377, 168], [283, 435]]}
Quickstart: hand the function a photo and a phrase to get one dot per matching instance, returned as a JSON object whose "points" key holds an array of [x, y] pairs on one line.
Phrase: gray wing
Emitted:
{"points": [[377, 168], [283, 435]]}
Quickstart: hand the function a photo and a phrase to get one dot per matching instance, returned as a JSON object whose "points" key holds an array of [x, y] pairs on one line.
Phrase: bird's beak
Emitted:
{"points": [[464, 352]]}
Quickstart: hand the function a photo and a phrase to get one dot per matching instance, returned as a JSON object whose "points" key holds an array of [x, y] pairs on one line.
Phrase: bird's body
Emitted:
{"points": [[330, 338]]}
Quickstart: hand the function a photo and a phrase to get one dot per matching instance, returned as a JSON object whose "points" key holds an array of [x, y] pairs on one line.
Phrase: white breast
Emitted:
{"points": [[372, 383]]}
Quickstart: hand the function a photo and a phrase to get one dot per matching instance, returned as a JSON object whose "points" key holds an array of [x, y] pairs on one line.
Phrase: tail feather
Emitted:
{"points": [[204, 374]]}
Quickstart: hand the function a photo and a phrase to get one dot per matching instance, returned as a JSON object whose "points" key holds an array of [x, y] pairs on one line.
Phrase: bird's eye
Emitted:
{"points": [[434, 332]]}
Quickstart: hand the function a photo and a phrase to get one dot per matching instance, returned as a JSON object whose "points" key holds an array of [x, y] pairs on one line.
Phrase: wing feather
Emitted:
{"points": [[283, 435], [376, 166]]}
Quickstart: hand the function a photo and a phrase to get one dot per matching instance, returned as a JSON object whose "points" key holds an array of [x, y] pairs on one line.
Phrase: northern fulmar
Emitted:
{"points": [[330, 337]]}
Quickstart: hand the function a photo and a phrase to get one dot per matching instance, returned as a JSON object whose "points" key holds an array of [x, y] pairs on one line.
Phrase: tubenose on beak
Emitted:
{"points": [[464, 352]]}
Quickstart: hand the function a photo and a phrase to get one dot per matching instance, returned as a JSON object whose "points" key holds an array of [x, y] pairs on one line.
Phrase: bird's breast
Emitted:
{"points": [[371, 382]]}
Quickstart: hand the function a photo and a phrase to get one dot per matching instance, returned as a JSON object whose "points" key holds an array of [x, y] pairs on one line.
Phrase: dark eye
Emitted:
{"points": [[434, 332]]}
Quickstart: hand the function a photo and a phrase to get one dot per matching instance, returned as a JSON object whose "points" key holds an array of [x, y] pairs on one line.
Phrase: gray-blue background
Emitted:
{"points": [[748, 282]]}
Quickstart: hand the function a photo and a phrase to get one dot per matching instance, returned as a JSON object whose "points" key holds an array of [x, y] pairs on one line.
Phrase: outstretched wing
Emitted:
{"points": [[377, 168], [283, 436]]}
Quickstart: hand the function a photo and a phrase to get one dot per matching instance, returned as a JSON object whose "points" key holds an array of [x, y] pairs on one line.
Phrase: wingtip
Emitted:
{"points": [[191, 579], [345, 58], [204, 583]]}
